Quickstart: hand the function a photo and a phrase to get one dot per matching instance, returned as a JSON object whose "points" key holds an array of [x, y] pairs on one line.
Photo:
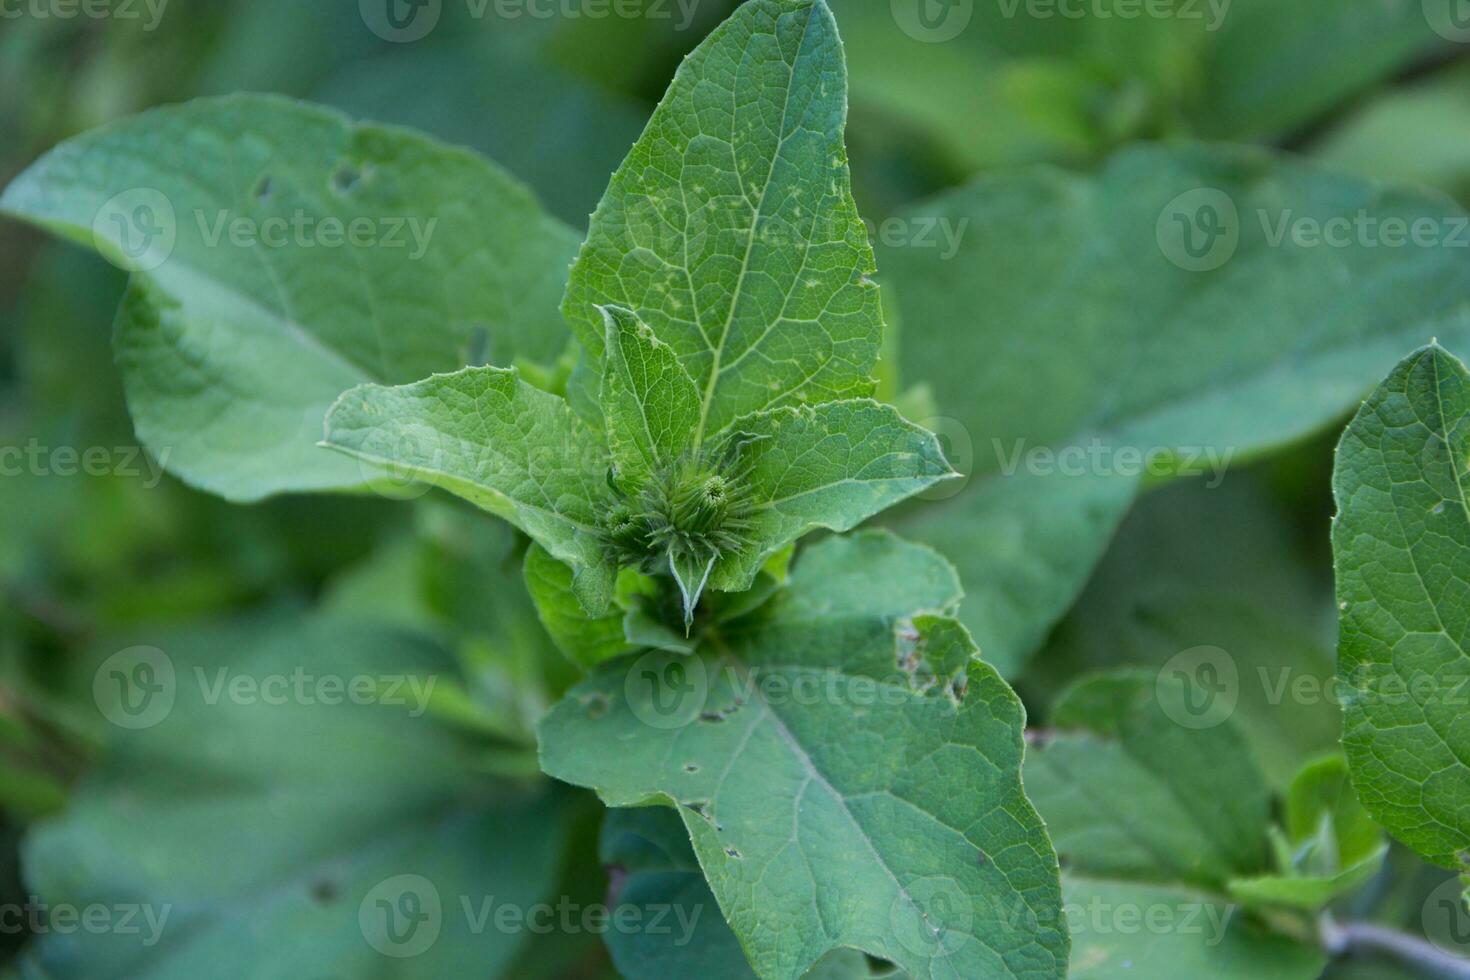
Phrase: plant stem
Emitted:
{"points": [[1356, 938]]}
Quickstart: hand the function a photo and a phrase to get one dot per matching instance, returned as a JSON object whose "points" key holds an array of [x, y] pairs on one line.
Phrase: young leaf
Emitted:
{"points": [[1331, 845], [848, 770], [1401, 543], [313, 819], [731, 229], [586, 640], [1143, 361], [486, 435], [283, 254], [649, 400], [826, 466], [1130, 791]]}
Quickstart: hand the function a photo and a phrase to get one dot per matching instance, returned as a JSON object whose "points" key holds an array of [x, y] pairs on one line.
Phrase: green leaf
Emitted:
{"points": [[847, 768], [1417, 133], [1136, 782], [1137, 931], [254, 304], [1066, 86], [1332, 845], [731, 231], [827, 466], [1138, 368], [1223, 567], [657, 877], [586, 640], [487, 436], [649, 400], [242, 815], [1401, 544]]}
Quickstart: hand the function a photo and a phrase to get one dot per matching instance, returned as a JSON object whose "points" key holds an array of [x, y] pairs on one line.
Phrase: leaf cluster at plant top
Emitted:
{"points": [[662, 410]]}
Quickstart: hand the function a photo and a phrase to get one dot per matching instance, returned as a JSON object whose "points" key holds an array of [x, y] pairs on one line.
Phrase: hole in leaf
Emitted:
{"points": [[346, 178], [324, 891], [263, 188]]}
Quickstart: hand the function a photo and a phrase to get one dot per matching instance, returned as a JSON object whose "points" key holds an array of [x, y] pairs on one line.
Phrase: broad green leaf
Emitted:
{"points": [[1138, 931], [587, 640], [649, 400], [1137, 782], [656, 877], [487, 436], [283, 254], [848, 771], [1272, 68], [1401, 544], [234, 813], [730, 229], [1142, 361], [1330, 845]]}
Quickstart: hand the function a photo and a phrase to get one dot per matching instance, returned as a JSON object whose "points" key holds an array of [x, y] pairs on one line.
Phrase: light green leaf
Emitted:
{"points": [[1137, 931], [1331, 845], [586, 640], [1136, 783], [485, 435], [242, 815], [847, 769], [827, 466], [1138, 367], [284, 254], [1417, 133], [1401, 543], [731, 230], [650, 402], [656, 876]]}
